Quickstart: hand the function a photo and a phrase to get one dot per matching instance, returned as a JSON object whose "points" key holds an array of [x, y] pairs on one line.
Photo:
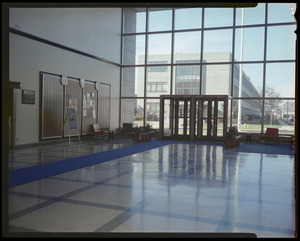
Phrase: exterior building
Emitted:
{"points": [[216, 80]]}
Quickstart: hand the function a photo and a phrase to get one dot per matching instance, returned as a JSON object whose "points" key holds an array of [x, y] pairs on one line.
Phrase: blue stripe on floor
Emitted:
{"points": [[33, 173]]}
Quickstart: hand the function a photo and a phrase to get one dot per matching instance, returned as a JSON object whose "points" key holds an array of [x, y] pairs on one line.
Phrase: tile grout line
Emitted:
{"points": [[62, 197], [130, 212]]}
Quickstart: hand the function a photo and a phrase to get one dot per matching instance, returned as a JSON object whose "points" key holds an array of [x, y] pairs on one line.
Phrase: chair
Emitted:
{"points": [[98, 131], [293, 142], [271, 135], [128, 128]]}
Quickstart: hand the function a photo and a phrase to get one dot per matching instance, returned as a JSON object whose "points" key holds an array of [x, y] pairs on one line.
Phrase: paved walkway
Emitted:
{"points": [[284, 126]]}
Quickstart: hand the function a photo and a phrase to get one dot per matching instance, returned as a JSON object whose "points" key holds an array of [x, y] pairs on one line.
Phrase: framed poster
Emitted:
{"points": [[71, 117], [28, 97]]}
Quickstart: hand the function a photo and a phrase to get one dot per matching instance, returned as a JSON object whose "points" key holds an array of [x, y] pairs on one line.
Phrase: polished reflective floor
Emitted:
{"points": [[173, 188], [48, 151]]}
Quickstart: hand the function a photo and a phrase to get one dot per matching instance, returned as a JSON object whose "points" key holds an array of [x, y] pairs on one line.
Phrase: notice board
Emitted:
{"points": [[71, 117]]}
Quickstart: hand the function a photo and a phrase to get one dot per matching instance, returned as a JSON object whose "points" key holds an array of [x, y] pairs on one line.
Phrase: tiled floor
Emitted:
{"points": [[173, 188], [60, 149]]}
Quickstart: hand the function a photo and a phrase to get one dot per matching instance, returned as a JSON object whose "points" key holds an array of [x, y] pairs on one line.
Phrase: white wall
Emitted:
{"points": [[92, 30], [97, 33]]}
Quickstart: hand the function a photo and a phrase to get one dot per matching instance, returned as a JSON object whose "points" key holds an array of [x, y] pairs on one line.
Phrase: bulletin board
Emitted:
{"points": [[89, 107]]}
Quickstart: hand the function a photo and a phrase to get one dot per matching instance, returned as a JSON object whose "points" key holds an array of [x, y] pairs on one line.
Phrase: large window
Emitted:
{"points": [[159, 47], [248, 54], [249, 44], [217, 46], [187, 46]]}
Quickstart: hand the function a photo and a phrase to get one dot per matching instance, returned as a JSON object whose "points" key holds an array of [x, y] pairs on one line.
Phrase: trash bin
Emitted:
{"points": [[248, 137], [110, 136]]}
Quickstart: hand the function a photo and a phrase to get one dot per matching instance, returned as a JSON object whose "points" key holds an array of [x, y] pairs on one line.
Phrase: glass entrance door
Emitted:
{"points": [[180, 117], [210, 123], [176, 118], [193, 117]]}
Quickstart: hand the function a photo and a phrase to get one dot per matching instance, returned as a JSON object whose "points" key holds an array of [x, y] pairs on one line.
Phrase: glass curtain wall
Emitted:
{"points": [[248, 54]]}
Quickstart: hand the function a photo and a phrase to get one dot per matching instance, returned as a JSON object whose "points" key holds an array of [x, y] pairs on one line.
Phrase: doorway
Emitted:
{"points": [[193, 117], [180, 117], [211, 118]]}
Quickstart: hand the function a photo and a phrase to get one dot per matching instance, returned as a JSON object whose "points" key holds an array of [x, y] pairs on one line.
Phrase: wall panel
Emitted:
{"points": [[52, 106], [104, 95]]}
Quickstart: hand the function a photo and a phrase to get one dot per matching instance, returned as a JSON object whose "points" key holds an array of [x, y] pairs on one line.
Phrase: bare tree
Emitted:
{"points": [[272, 104]]}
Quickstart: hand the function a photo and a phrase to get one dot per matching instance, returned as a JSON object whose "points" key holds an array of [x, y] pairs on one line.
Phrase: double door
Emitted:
{"points": [[193, 117], [210, 118], [180, 117]]}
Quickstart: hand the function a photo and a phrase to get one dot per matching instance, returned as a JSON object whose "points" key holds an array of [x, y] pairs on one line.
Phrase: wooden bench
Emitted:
{"points": [[98, 131]]}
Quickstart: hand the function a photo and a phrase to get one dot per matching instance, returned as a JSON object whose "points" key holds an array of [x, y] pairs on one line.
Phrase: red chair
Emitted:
{"points": [[292, 142], [270, 135], [98, 131]]}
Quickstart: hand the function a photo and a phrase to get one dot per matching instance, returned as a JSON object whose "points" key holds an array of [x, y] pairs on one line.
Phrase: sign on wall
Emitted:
{"points": [[28, 96]]}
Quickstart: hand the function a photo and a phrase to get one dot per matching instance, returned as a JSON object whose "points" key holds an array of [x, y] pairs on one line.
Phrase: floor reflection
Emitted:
{"points": [[173, 188]]}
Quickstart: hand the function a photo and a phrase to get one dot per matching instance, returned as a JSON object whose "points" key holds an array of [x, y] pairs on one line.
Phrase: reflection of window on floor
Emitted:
{"points": [[157, 87]]}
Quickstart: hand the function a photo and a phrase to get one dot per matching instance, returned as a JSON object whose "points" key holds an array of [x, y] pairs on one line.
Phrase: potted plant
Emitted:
{"points": [[231, 137], [142, 133], [136, 133], [147, 128], [146, 133]]}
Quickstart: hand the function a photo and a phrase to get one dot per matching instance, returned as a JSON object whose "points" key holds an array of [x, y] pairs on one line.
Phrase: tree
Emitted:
{"points": [[271, 105]]}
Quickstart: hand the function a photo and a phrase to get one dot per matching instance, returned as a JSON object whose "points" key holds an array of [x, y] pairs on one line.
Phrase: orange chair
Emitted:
{"points": [[271, 134], [98, 131]]}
